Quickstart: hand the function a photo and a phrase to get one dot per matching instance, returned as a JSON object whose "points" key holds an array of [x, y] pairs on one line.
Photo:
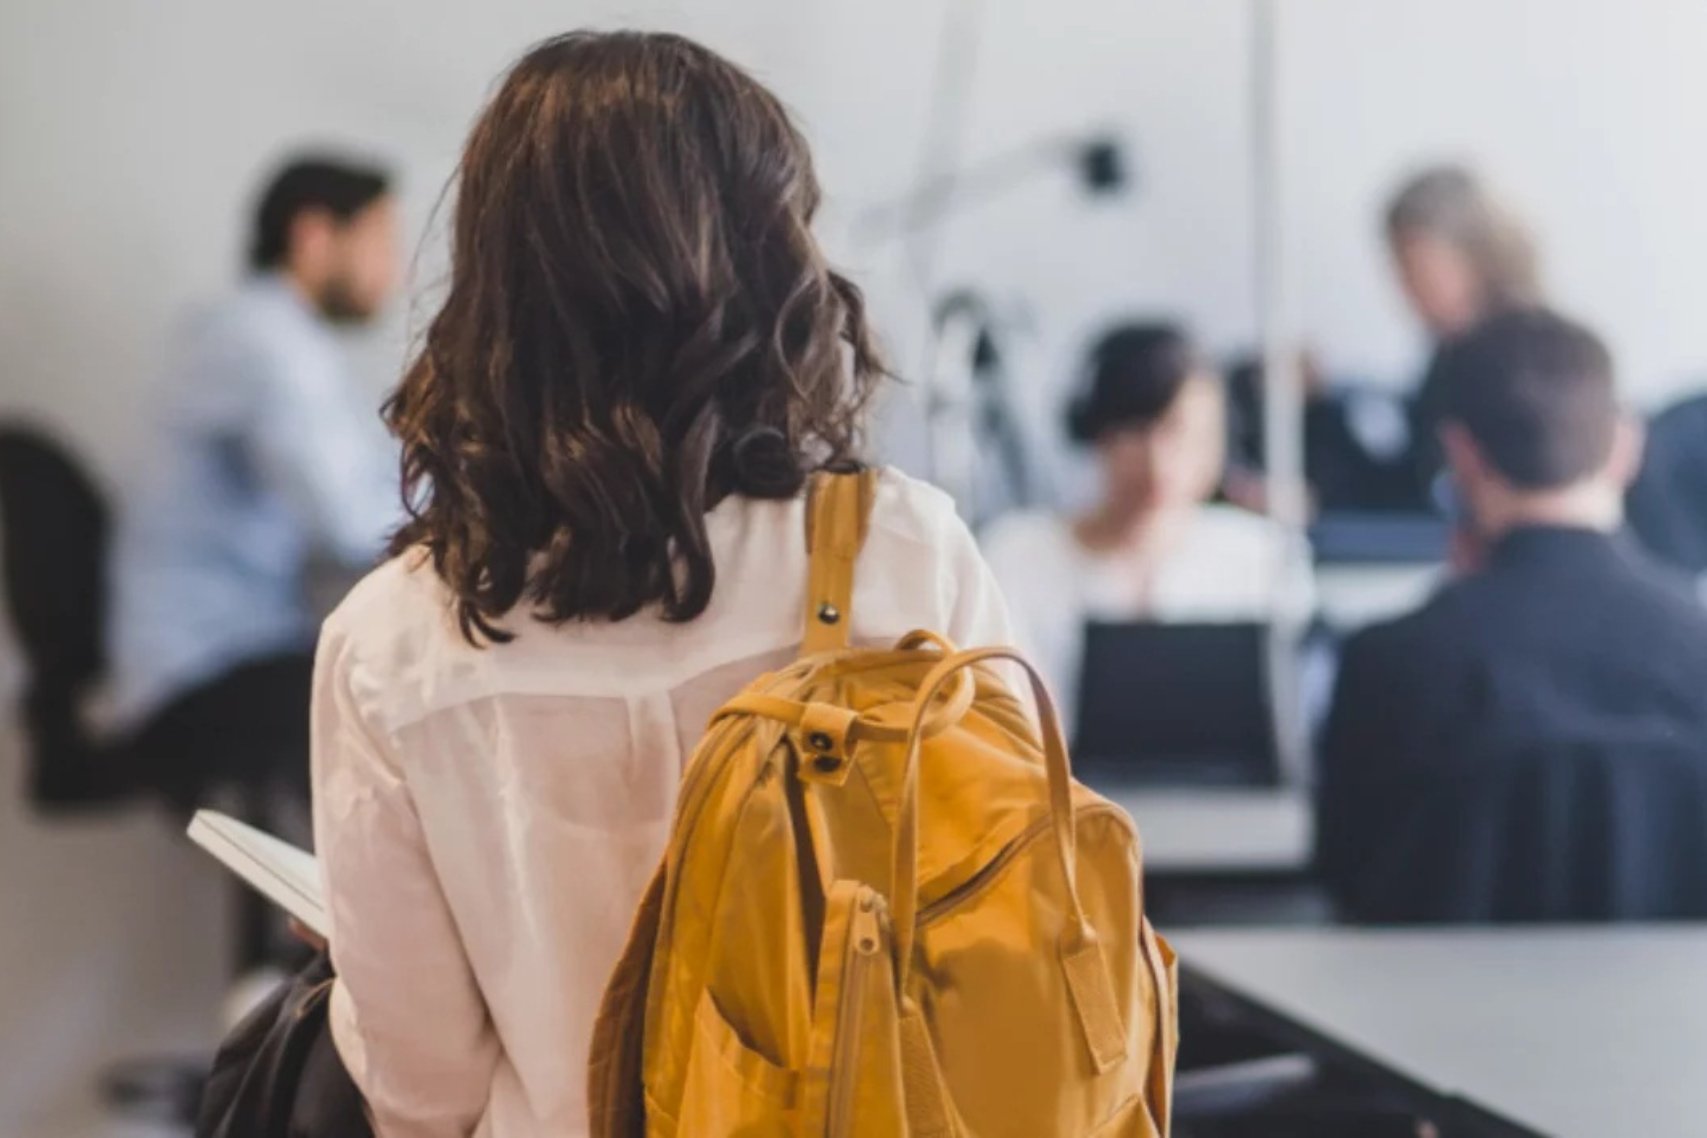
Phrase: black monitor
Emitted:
{"points": [[1185, 704]]}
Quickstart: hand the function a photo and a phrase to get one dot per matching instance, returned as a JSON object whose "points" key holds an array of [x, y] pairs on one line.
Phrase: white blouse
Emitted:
{"points": [[487, 818], [1229, 565]]}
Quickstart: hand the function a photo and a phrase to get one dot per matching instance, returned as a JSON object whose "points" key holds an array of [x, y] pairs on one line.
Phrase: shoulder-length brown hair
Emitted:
{"points": [[1450, 203], [639, 324]]}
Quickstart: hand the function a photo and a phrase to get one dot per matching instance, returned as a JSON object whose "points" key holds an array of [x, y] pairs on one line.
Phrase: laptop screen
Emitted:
{"points": [[1185, 703]]}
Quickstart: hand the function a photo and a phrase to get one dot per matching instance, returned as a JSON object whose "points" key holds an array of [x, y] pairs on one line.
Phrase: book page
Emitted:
{"points": [[284, 874]]}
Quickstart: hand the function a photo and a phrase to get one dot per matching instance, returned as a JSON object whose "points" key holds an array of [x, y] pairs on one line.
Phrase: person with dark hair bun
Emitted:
{"points": [[1153, 546], [642, 358]]}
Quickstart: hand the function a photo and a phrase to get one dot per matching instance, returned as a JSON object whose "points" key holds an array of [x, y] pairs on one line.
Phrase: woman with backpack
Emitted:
{"points": [[608, 433], [608, 430]]}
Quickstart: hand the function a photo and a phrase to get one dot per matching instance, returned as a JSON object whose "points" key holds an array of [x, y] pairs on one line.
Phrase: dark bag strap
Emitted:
{"points": [[279, 1075]]}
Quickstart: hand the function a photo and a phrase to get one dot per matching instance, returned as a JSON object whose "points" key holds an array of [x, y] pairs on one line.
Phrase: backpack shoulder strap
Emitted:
{"points": [[616, 1075], [838, 512]]}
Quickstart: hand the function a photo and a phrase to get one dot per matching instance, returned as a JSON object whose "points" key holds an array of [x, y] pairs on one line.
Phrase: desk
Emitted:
{"points": [[1218, 831], [1351, 596], [1578, 1033]]}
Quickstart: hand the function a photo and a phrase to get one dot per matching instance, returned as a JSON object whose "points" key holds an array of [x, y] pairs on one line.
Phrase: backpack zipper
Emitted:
{"points": [[865, 943], [987, 876]]}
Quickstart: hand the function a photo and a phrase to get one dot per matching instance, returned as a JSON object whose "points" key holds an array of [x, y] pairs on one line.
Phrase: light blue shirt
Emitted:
{"points": [[263, 455]]}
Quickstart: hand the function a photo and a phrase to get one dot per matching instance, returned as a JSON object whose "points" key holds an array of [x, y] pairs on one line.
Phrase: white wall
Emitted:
{"points": [[132, 131], [1589, 112]]}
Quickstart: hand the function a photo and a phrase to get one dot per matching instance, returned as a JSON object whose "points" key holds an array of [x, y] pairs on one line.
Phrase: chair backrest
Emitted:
{"points": [[1668, 503], [54, 534], [1609, 829]]}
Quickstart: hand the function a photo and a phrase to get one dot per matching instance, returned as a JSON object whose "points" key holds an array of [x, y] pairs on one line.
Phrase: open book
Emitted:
{"points": [[285, 875]]}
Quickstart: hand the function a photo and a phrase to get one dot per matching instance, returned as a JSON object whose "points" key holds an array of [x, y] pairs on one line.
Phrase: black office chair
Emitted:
{"points": [[54, 535], [1558, 830], [1668, 503]]}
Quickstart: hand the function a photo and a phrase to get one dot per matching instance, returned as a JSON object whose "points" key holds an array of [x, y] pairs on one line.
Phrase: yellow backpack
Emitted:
{"points": [[886, 909]]}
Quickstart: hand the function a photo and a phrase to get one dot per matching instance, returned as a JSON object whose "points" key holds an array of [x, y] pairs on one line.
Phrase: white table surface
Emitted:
{"points": [[1352, 596], [1576, 1033], [1219, 831]]}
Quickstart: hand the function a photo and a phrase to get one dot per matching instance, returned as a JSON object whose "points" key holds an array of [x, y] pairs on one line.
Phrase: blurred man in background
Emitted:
{"points": [[1558, 631], [265, 459]]}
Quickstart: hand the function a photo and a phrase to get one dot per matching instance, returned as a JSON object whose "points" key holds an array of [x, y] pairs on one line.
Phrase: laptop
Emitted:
{"points": [[1176, 705]]}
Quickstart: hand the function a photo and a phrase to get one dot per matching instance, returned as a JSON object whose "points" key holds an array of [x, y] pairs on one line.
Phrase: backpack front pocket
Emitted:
{"points": [[730, 1089]]}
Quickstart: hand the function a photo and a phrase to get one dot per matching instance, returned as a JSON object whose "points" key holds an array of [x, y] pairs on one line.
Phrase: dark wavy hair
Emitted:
{"points": [[639, 324]]}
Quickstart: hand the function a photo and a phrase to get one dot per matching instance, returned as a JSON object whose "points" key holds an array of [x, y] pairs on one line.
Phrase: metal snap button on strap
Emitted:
{"points": [[829, 613], [824, 762], [824, 741]]}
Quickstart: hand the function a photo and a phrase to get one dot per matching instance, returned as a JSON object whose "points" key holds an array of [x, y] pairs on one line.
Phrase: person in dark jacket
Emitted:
{"points": [[1557, 630]]}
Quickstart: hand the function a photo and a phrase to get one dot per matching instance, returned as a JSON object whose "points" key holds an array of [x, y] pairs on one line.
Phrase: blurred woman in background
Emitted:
{"points": [[1461, 255], [1153, 547]]}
